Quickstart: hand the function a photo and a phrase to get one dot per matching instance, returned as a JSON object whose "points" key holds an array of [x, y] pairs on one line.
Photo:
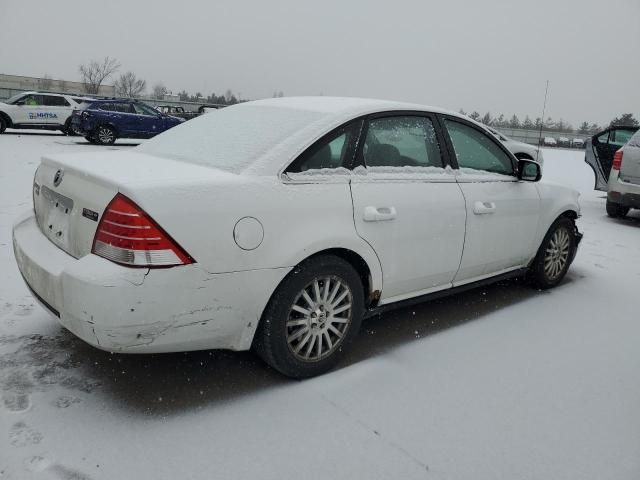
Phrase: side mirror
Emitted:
{"points": [[20, 103], [529, 171]]}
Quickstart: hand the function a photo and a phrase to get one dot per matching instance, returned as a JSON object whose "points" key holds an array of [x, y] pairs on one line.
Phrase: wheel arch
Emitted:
{"points": [[7, 119]]}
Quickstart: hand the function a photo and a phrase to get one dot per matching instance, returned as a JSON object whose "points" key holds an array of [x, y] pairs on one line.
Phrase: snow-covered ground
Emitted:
{"points": [[498, 383]]}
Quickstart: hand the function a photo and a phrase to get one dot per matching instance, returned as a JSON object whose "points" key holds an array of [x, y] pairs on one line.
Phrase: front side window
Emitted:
{"points": [[476, 150], [402, 141], [33, 100], [329, 152]]}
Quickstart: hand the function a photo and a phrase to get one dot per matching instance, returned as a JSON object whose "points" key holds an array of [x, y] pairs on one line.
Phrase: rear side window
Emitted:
{"points": [[402, 141], [54, 101], [476, 150], [619, 137], [329, 152]]}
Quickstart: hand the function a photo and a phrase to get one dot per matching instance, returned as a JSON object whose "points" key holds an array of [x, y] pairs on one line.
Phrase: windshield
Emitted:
{"points": [[230, 139]]}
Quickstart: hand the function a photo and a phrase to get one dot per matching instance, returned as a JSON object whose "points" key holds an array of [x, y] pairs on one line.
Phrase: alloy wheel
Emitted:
{"points": [[319, 318], [557, 253], [105, 135]]}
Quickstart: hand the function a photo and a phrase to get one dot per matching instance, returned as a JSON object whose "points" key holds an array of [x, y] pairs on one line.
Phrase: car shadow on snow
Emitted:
{"points": [[166, 384]]}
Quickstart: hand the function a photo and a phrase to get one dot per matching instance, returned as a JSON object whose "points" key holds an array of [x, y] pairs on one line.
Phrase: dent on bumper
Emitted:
{"points": [[123, 309]]}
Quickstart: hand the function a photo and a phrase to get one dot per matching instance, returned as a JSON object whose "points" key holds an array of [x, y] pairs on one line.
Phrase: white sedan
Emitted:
{"points": [[280, 224]]}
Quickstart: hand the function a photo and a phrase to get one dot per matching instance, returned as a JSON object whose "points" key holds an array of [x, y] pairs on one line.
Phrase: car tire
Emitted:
{"points": [[105, 135], [311, 318], [3, 125], [67, 130], [554, 255], [615, 210]]}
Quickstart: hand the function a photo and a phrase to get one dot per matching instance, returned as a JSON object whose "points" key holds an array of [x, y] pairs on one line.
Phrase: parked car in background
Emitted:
{"points": [[600, 149], [519, 149], [623, 191], [577, 143], [176, 111], [42, 111], [549, 142], [564, 142], [178, 244], [207, 108], [104, 121]]}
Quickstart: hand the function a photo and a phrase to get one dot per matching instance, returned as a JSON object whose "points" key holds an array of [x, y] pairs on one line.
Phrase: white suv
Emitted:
{"points": [[48, 111]]}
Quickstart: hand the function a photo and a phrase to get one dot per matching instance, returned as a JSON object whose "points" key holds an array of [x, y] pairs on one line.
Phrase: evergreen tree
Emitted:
{"points": [[528, 123], [583, 129], [514, 122], [625, 120]]}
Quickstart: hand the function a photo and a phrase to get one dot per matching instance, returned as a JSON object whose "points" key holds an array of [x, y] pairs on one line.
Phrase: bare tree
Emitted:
{"points": [[159, 91], [94, 73], [128, 85]]}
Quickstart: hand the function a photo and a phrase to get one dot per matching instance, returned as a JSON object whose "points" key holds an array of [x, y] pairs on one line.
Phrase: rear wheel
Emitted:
{"points": [[311, 318], [615, 210], [105, 135], [67, 130], [554, 255], [3, 124]]}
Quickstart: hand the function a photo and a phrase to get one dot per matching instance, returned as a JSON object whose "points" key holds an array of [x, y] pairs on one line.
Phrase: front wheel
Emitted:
{"points": [[3, 125], [105, 135], [311, 318], [554, 255], [615, 210]]}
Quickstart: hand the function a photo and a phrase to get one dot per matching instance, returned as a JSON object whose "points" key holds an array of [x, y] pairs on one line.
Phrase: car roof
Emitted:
{"points": [[340, 106], [72, 95], [311, 118]]}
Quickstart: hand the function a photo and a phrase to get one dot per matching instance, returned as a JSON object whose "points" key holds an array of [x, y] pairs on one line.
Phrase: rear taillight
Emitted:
{"points": [[617, 160], [127, 235]]}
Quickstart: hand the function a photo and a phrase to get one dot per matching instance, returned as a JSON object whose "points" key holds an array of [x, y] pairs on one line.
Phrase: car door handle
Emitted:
{"points": [[379, 214], [483, 208]]}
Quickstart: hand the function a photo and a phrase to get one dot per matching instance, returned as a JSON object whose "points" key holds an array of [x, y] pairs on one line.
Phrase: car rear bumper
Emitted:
{"points": [[623, 193], [133, 310], [631, 200]]}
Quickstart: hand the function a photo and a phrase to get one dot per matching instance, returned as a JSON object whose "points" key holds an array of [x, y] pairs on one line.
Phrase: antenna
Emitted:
{"points": [[544, 108]]}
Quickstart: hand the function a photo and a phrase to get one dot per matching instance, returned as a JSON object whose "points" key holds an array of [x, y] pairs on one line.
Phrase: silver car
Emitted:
{"points": [[599, 151], [623, 191]]}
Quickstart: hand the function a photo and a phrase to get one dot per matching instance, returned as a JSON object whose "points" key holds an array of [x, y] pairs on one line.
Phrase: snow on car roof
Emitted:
{"points": [[263, 136], [341, 105]]}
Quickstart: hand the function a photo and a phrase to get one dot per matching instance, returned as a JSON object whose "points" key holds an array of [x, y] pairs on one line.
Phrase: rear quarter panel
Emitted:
{"points": [[298, 220]]}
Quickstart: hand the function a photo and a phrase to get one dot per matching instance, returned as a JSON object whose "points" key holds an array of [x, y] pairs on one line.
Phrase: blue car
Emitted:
{"points": [[104, 121]]}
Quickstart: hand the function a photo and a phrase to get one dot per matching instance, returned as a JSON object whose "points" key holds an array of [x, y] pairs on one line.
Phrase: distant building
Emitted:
{"points": [[12, 84]]}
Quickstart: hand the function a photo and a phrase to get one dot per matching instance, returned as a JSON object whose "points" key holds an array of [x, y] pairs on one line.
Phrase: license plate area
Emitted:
{"points": [[54, 216]]}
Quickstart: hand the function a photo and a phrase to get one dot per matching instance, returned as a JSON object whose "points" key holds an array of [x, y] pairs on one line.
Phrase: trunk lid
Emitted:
{"points": [[70, 192]]}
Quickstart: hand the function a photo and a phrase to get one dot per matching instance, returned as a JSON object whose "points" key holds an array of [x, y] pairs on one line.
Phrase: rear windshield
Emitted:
{"points": [[231, 138], [635, 140]]}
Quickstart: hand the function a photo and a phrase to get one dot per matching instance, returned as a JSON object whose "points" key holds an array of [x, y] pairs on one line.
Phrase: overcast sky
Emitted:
{"points": [[487, 55]]}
